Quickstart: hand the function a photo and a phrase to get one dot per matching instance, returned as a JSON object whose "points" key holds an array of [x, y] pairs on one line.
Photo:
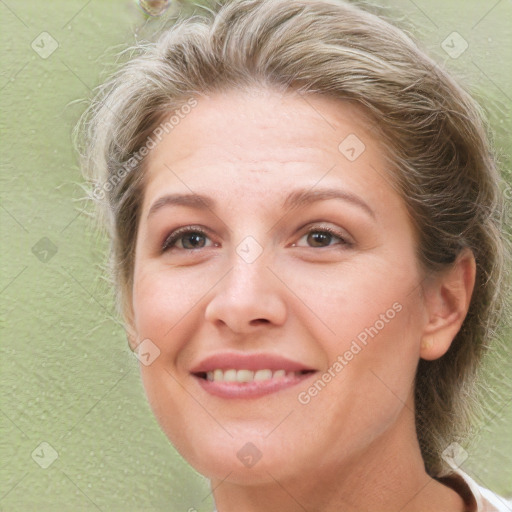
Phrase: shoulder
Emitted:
{"points": [[493, 502], [476, 497]]}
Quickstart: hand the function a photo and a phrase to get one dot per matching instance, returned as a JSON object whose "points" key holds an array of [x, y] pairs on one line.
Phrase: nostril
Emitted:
{"points": [[258, 321]]}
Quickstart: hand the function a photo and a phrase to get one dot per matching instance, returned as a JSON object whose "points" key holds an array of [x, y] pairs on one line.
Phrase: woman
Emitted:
{"points": [[305, 223]]}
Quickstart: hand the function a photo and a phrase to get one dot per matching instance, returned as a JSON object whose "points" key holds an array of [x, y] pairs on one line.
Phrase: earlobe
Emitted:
{"points": [[447, 300], [132, 341], [131, 334], [427, 343]]}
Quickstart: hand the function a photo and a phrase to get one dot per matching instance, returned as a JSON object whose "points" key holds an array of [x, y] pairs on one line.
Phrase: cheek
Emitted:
{"points": [[353, 295], [374, 314], [380, 351], [162, 298], [371, 367], [163, 301]]}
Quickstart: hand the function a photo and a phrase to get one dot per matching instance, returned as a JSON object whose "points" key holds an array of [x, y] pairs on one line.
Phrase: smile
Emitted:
{"points": [[241, 375]]}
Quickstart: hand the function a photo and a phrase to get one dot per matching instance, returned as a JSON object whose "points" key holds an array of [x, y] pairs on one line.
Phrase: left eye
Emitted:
{"points": [[322, 237]]}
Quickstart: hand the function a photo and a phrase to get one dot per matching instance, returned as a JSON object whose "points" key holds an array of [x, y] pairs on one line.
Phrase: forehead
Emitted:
{"points": [[266, 138]]}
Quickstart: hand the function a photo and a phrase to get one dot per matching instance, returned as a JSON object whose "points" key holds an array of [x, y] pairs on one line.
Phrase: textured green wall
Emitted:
{"points": [[67, 376]]}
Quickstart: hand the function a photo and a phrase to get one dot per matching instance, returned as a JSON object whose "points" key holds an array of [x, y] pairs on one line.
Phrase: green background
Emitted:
{"points": [[67, 375]]}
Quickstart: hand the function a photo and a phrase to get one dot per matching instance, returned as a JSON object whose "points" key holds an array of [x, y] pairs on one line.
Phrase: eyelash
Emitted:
{"points": [[169, 242]]}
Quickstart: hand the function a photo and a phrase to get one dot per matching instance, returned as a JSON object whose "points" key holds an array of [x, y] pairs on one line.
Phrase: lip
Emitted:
{"points": [[254, 362], [255, 389]]}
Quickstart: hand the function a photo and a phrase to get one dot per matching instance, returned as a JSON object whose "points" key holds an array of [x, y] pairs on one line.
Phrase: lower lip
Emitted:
{"points": [[254, 389]]}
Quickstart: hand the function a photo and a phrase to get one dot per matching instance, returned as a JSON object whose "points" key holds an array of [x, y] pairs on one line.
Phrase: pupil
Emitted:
{"points": [[319, 237], [194, 237]]}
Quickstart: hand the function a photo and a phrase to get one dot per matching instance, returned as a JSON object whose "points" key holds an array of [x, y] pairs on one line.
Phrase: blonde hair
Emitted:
{"points": [[443, 164]]}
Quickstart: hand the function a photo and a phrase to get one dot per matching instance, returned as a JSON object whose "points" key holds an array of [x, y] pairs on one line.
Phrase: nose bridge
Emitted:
{"points": [[248, 282], [249, 275], [249, 294]]}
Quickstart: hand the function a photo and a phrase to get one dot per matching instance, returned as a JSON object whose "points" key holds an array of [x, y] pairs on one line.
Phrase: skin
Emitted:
{"points": [[353, 447]]}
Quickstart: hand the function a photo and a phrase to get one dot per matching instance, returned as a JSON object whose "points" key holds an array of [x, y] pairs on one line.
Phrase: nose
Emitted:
{"points": [[247, 297]]}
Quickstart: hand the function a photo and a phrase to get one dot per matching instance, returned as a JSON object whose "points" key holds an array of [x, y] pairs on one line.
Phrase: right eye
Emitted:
{"points": [[188, 238]]}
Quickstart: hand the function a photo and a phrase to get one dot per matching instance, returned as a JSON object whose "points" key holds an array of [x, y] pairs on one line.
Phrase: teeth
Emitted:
{"points": [[229, 376], [263, 375], [232, 375], [244, 376]]}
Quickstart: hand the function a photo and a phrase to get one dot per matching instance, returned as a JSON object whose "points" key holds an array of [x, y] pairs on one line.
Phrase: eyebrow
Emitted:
{"points": [[295, 199]]}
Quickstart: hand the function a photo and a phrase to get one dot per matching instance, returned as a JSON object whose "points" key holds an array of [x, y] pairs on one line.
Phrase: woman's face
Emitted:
{"points": [[299, 260]]}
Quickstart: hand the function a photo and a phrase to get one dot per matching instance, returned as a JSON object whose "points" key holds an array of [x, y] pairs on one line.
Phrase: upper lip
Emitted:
{"points": [[244, 361]]}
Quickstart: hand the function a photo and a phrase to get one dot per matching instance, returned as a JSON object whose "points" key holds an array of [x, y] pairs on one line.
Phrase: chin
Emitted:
{"points": [[237, 460]]}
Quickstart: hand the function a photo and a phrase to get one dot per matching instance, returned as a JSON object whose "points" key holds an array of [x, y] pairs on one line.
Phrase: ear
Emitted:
{"points": [[131, 338], [129, 326], [447, 298]]}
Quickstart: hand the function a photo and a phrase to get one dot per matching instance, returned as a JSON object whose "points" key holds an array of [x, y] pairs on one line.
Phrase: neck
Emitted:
{"points": [[388, 475]]}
